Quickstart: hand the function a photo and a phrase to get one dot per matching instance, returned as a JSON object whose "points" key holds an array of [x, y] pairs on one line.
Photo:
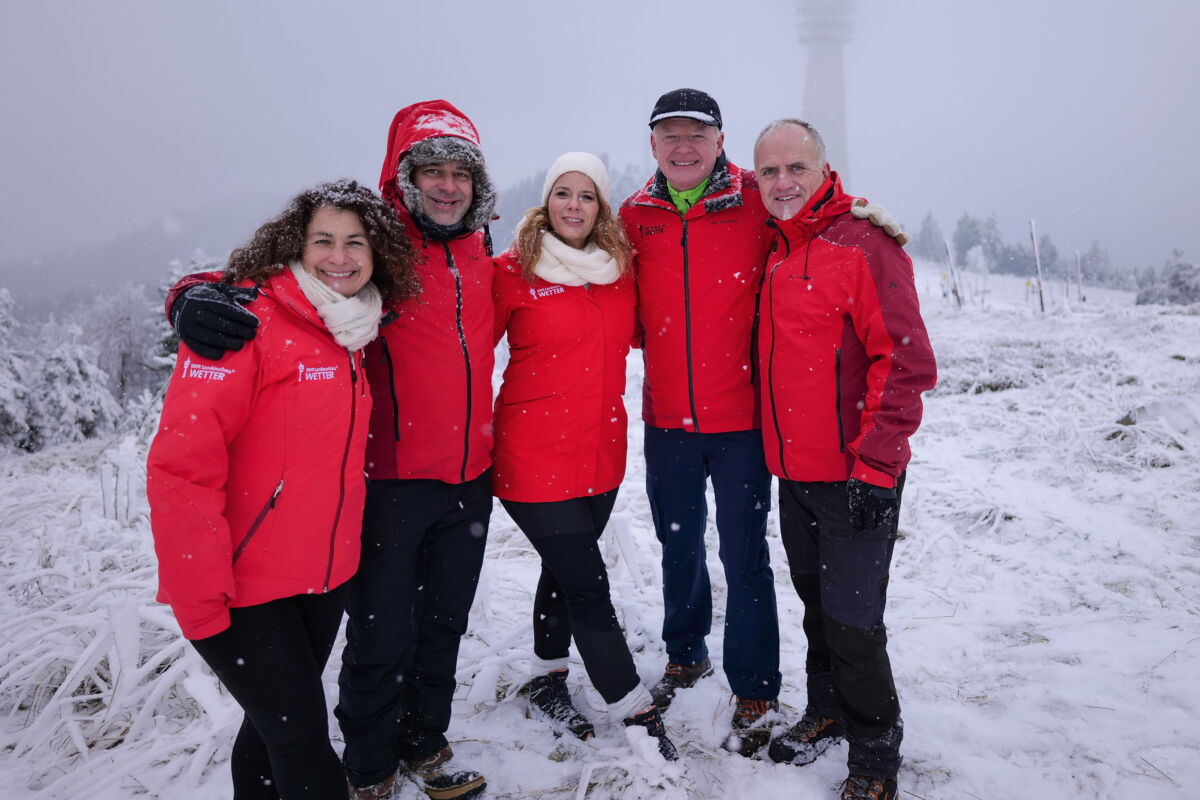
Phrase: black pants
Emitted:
{"points": [[842, 579], [423, 543], [270, 658], [572, 595]]}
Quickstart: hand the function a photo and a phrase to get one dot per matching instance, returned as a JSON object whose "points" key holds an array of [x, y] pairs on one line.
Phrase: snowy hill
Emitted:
{"points": [[1044, 611]]}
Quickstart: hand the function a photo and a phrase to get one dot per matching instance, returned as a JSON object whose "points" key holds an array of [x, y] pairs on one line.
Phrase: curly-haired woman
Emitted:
{"points": [[567, 304], [255, 478]]}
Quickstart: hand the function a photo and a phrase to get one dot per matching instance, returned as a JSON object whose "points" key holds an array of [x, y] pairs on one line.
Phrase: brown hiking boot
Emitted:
{"points": [[383, 790], [751, 726], [860, 787], [678, 676], [805, 741], [443, 778]]}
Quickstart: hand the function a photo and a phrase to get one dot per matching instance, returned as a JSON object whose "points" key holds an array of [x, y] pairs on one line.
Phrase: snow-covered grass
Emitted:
{"points": [[1044, 613]]}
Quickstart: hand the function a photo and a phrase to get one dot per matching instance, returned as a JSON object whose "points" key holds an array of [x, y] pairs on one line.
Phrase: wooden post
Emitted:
{"points": [[1037, 261], [954, 287]]}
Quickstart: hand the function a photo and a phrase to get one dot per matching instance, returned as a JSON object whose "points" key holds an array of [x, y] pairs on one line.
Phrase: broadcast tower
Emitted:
{"points": [[825, 27]]}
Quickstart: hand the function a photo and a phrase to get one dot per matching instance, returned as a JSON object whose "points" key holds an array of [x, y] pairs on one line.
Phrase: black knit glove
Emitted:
{"points": [[871, 507], [211, 320]]}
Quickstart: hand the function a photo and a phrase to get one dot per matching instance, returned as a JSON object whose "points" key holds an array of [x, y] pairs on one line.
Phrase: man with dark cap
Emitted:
{"points": [[700, 239], [428, 459]]}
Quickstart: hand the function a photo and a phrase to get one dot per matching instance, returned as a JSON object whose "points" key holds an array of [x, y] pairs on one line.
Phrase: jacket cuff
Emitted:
{"points": [[202, 630], [873, 476]]}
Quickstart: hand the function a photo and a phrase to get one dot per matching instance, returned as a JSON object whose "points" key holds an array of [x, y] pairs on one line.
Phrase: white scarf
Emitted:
{"points": [[561, 263], [353, 320]]}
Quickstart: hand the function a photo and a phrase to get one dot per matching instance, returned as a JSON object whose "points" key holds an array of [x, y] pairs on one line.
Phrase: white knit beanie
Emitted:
{"points": [[586, 163]]}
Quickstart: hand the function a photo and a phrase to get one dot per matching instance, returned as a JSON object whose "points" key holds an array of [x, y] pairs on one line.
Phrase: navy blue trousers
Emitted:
{"points": [[842, 578], [678, 466], [422, 551]]}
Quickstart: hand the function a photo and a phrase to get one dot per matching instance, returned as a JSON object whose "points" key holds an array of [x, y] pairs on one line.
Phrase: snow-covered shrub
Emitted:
{"points": [[1180, 286], [69, 399]]}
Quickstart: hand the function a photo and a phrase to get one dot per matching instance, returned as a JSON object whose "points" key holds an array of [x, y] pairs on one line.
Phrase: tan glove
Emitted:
{"points": [[880, 218]]}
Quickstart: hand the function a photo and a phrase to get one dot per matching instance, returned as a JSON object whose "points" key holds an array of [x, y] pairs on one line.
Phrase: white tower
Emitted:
{"points": [[825, 27]]}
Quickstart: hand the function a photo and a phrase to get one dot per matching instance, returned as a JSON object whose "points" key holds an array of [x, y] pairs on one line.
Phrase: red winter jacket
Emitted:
{"points": [[255, 478], [843, 349], [561, 429], [698, 277], [431, 368]]}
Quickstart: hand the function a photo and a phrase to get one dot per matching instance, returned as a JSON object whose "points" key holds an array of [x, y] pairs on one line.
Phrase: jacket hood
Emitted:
{"points": [[442, 133]]}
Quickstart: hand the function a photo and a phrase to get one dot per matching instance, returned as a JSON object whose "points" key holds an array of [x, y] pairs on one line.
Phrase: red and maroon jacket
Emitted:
{"points": [[561, 429], [255, 478], [698, 276], [431, 368], [843, 350]]}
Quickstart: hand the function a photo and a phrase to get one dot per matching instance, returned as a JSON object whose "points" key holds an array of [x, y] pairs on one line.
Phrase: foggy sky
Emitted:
{"points": [[1081, 115]]}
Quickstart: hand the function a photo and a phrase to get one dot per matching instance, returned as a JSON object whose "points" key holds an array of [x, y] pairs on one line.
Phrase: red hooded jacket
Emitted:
{"points": [[561, 429], [698, 277], [431, 368], [255, 478], [843, 350]]}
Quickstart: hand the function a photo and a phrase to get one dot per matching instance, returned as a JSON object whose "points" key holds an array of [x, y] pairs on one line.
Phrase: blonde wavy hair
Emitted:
{"points": [[607, 233]]}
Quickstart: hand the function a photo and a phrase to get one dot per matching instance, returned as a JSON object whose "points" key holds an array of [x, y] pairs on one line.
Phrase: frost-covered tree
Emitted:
{"points": [[967, 234], [68, 398], [1180, 284], [14, 392], [1048, 253], [929, 244], [122, 327]]}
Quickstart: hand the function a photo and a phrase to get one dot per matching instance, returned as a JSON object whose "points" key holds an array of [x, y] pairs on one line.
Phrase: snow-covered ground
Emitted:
{"points": [[1044, 611]]}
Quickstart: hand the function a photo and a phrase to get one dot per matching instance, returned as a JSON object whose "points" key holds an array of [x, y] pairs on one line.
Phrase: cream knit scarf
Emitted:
{"points": [[354, 320], [561, 263]]}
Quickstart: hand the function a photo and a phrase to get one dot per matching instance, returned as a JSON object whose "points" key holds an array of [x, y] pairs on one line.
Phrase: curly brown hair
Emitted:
{"points": [[607, 233], [281, 241]]}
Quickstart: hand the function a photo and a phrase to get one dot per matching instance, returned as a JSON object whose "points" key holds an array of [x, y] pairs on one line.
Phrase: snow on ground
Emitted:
{"points": [[1044, 614]]}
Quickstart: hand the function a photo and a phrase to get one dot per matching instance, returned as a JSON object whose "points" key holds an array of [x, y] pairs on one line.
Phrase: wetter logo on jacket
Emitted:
{"points": [[545, 291], [205, 372], [306, 373]]}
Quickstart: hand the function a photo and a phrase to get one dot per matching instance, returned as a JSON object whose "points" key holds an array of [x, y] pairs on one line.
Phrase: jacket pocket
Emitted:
{"points": [[258, 521]]}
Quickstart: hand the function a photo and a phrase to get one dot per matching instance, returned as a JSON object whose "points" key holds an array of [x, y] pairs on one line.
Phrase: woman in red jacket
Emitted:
{"points": [[567, 305], [255, 478]]}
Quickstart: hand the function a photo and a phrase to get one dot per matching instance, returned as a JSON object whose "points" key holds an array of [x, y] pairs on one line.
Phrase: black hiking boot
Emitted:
{"points": [[651, 720], [442, 778], [678, 676], [804, 742], [750, 731], [549, 695], [860, 787]]}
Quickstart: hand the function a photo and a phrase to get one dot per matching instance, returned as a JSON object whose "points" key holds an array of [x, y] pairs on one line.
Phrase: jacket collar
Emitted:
{"points": [[828, 202], [724, 190]]}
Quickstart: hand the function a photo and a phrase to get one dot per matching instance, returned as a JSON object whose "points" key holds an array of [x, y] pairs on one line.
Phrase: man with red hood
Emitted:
{"points": [[428, 458], [844, 357]]}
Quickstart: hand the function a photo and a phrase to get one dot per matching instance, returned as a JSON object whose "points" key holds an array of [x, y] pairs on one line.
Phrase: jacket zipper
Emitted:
{"points": [[387, 357], [687, 316], [462, 341], [771, 361], [262, 515], [337, 514], [837, 391]]}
